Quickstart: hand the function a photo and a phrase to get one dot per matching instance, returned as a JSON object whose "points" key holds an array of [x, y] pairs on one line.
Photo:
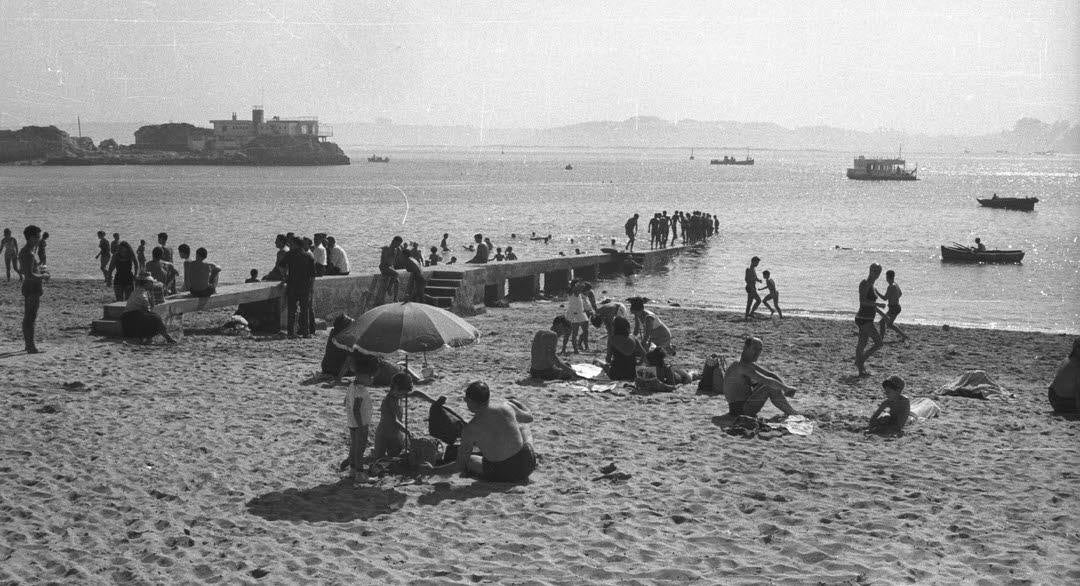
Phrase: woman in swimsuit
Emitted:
{"points": [[623, 351], [864, 318], [652, 329]]}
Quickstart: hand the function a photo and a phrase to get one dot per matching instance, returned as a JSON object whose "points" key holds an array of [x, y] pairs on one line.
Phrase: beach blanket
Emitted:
{"points": [[924, 408], [588, 371], [974, 384], [779, 426]]}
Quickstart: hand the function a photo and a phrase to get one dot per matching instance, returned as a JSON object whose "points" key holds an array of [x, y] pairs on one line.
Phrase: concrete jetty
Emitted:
{"points": [[464, 289]]}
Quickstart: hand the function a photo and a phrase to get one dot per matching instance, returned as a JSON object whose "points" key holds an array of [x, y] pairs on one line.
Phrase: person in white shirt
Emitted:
{"points": [[337, 262], [320, 254]]}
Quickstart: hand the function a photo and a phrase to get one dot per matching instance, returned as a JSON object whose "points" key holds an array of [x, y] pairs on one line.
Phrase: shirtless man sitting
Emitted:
{"points": [[747, 386], [505, 452]]}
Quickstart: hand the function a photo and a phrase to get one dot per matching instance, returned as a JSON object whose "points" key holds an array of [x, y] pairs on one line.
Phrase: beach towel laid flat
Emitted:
{"points": [[588, 371], [779, 426], [974, 384], [924, 408]]}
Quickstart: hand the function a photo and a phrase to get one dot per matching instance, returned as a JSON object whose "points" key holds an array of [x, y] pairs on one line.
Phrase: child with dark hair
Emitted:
{"points": [[254, 278], [897, 404], [391, 435], [358, 415]]}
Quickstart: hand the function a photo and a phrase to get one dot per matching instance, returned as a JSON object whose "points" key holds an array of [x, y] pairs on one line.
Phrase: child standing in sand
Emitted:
{"points": [[899, 407], [358, 412]]}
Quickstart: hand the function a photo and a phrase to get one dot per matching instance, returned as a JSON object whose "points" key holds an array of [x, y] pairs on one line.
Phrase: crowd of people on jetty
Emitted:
{"points": [[495, 444]]}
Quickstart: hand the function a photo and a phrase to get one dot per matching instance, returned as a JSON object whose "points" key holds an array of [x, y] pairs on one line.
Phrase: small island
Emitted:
{"points": [[277, 141]]}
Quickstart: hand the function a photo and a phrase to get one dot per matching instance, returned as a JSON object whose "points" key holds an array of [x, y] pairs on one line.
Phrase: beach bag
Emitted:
{"points": [[712, 376], [425, 452], [443, 423], [646, 381]]}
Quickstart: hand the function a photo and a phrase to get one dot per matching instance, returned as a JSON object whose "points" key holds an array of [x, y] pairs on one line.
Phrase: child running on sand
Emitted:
{"points": [[358, 412], [899, 407], [772, 296]]}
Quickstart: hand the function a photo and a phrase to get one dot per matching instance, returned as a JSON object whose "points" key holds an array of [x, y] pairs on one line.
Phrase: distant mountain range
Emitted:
{"points": [[709, 137]]}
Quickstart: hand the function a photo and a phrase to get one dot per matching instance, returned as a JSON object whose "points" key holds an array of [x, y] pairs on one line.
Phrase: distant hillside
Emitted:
{"points": [[1027, 135]]}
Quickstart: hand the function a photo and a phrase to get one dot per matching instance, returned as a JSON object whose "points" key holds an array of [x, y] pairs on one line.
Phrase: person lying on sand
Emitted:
{"points": [[506, 454], [1064, 393], [545, 363], [747, 386], [899, 407]]}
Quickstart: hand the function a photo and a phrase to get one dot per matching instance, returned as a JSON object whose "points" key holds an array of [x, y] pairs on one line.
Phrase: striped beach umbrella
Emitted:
{"points": [[412, 327]]}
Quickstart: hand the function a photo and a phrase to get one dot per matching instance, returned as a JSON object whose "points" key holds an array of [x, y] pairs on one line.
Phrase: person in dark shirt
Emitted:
{"points": [[299, 268], [899, 408], [104, 255]]}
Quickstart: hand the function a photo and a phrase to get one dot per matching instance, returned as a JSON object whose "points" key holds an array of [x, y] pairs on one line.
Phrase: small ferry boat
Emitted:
{"points": [[880, 170], [569, 167], [378, 159], [1023, 204], [732, 161], [957, 253]]}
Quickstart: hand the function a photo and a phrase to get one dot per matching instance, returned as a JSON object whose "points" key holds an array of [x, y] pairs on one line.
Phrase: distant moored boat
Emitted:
{"points": [[1024, 204], [378, 159], [880, 170]]}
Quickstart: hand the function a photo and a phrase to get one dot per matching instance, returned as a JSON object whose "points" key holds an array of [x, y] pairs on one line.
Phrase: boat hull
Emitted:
{"points": [[860, 175], [1022, 204], [720, 162], [966, 255]]}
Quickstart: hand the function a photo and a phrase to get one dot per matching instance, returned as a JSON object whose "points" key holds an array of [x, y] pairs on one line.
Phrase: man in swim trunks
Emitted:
{"points": [[631, 232], [482, 251], [505, 453], [104, 255], [864, 319], [1064, 393], [389, 258], [753, 300], [747, 386]]}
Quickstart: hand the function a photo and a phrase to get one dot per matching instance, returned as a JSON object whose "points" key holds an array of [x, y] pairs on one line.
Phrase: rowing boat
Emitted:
{"points": [[966, 254]]}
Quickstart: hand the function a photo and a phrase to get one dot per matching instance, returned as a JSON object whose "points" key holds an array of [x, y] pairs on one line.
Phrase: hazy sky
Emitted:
{"points": [[934, 67]]}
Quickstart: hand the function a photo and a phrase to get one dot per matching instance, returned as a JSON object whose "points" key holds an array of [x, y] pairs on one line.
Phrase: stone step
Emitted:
{"points": [[106, 327], [457, 275], [440, 291], [443, 302], [114, 310], [454, 283]]}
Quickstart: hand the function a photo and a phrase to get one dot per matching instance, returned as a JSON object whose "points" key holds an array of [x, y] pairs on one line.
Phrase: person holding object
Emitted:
{"points": [[34, 275]]}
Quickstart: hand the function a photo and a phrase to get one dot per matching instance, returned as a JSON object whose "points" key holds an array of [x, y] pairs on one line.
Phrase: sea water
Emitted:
{"points": [[814, 229]]}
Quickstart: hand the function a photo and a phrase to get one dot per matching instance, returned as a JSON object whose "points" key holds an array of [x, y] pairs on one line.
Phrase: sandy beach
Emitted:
{"points": [[214, 461]]}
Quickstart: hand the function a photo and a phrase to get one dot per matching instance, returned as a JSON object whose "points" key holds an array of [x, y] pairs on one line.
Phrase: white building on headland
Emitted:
{"points": [[233, 134]]}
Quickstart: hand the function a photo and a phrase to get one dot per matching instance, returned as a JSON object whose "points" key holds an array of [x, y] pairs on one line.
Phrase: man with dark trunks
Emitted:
{"points": [[631, 232], [505, 452], [864, 318], [747, 386], [753, 300]]}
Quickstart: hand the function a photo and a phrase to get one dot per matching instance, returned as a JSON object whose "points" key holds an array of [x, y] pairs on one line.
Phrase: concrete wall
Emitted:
{"points": [[352, 294]]}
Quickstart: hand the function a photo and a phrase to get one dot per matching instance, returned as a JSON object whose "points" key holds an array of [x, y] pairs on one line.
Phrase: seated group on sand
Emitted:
{"points": [[492, 446]]}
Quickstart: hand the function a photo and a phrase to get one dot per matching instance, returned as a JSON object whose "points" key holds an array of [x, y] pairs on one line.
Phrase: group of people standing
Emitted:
{"points": [[663, 229], [122, 266]]}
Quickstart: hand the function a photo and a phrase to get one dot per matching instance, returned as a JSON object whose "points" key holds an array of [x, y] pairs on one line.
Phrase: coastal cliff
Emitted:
{"points": [[164, 144]]}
